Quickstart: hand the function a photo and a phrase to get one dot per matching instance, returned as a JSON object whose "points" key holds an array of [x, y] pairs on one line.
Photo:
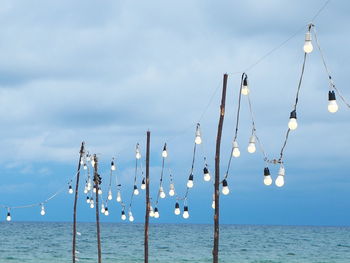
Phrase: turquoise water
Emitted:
{"points": [[51, 243]]}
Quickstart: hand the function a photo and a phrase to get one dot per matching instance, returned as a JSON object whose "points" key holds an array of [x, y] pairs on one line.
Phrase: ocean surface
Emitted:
{"points": [[51, 243]]}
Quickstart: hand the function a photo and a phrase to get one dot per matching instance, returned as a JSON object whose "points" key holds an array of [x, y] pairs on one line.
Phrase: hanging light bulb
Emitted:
{"points": [[172, 190], [103, 210], [8, 217], [89, 184], [110, 196], [151, 211], [245, 89], [88, 158], [308, 44], [92, 162], [106, 211], [292, 124], [136, 191], [138, 153], [113, 166], [206, 174], [94, 190], [161, 192], [42, 212], [267, 176], [131, 217], [213, 202], [92, 204], [85, 166], [198, 139], [99, 191], [190, 181], [164, 152], [87, 200], [70, 189], [81, 161], [280, 178], [85, 190], [332, 103], [185, 214], [143, 184], [251, 145], [156, 213], [177, 210], [235, 152], [225, 190], [119, 197], [123, 216]]}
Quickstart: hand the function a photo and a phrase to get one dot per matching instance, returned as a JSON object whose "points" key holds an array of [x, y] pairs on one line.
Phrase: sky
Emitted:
{"points": [[106, 72]]}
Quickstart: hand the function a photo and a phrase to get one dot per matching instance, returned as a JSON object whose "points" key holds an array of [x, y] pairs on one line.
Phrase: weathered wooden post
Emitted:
{"points": [[147, 196], [97, 182], [217, 172], [75, 202]]}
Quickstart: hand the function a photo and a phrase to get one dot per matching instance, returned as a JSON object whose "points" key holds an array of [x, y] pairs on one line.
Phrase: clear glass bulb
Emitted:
{"points": [[177, 211], [42, 212], [86, 190], [123, 217], [292, 124], [267, 180], [92, 205], [236, 153], [87, 200], [207, 177], [136, 191], [172, 190], [280, 181], [103, 209], [106, 212], [156, 214], [70, 190], [245, 90], [92, 163], [138, 155], [94, 190], [225, 190], [198, 139], [8, 217], [164, 154], [131, 218], [151, 212], [85, 166], [161, 192], [332, 106], [110, 196], [308, 47], [190, 183], [119, 197], [213, 204], [143, 186], [185, 215], [251, 147], [113, 167], [100, 191]]}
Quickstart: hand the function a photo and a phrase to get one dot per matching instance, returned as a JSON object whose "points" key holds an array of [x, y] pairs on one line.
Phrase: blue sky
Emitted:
{"points": [[106, 72]]}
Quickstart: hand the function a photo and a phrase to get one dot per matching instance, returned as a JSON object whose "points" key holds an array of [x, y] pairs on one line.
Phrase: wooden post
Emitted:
{"points": [[147, 196], [97, 181], [217, 173], [75, 202]]}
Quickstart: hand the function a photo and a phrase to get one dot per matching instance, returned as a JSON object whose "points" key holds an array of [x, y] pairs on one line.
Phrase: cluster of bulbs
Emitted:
{"points": [[177, 211], [251, 147], [279, 180]]}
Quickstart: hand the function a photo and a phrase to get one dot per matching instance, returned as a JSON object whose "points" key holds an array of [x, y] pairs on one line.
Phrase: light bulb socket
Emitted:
{"points": [[331, 95], [252, 139], [164, 148], [156, 209], [177, 205], [135, 187], [70, 187], [205, 170], [8, 214], [106, 208], [190, 178], [224, 183], [143, 181], [186, 208], [235, 144], [123, 212], [308, 36], [112, 163], [245, 81], [293, 114], [266, 171]]}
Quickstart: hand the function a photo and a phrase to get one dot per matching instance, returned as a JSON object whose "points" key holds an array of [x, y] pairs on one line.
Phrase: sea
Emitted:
{"points": [[173, 243]]}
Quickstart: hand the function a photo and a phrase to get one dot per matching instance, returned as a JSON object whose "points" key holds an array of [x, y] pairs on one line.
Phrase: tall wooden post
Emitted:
{"points": [[217, 173], [148, 205], [97, 181], [75, 202]]}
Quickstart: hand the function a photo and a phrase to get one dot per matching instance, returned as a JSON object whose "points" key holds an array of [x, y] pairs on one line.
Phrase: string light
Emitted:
{"points": [[99, 191], [151, 211], [245, 89], [177, 210], [235, 153], [172, 190], [225, 190], [213, 202], [103, 209], [131, 217], [70, 189], [251, 145], [88, 200], [136, 191], [143, 184], [332, 103], [185, 213], [156, 212], [280, 178], [190, 181], [292, 124], [92, 162], [308, 44], [85, 166], [206, 171], [119, 196], [113, 168], [123, 216], [161, 192], [198, 138], [92, 204], [8, 217], [164, 152], [267, 176], [106, 211], [138, 153], [42, 212]]}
